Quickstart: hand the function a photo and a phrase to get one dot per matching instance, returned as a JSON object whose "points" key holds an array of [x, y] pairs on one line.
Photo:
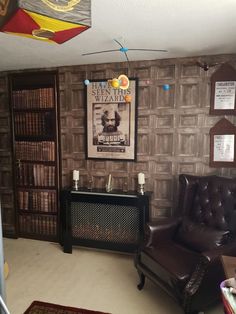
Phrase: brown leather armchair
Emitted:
{"points": [[182, 254]]}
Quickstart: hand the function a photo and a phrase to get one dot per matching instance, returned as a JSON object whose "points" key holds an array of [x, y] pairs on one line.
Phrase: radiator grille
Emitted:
{"points": [[105, 222]]}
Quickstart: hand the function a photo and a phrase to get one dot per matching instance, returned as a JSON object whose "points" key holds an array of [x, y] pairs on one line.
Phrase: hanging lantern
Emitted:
{"points": [[48, 20]]}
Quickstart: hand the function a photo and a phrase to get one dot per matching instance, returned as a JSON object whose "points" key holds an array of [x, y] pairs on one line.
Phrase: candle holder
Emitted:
{"points": [[125, 187], [141, 189], [75, 185], [108, 187], [90, 183]]}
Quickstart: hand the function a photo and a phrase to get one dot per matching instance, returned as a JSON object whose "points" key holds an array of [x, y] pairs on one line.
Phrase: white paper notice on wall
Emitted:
{"points": [[225, 95], [224, 148]]}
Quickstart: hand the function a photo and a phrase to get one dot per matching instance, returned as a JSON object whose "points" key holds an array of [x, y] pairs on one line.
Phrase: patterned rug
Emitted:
{"points": [[38, 307]]}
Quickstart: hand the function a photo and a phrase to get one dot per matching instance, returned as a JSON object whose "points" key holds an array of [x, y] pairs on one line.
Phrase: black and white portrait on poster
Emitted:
{"points": [[111, 121]]}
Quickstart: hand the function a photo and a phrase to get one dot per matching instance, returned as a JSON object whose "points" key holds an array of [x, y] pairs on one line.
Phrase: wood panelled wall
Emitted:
{"points": [[173, 126], [173, 129]]}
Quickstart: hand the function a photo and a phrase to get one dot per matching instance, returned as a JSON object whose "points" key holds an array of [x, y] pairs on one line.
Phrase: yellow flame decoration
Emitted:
{"points": [[61, 8]]}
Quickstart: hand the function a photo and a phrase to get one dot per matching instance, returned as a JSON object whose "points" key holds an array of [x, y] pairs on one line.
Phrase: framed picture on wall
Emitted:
{"points": [[111, 121], [223, 91], [222, 144]]}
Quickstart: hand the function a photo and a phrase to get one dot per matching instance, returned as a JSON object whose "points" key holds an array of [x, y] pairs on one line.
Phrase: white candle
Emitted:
{"points": [[75, 174], [109, 180], [141, 178]]}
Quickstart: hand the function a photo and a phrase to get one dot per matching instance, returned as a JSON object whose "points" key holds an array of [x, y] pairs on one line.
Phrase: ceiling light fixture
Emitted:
{"points": [[123, 49], [122, 81]]}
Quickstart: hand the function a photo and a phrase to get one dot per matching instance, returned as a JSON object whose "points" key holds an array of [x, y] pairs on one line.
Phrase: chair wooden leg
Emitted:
{"points": [[142, 281]]}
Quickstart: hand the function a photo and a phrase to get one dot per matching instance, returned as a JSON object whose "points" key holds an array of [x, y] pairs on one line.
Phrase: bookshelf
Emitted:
{"points": [[34, 106]]}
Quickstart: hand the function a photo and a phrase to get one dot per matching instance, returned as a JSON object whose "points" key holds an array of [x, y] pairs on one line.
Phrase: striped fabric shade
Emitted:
{"points": [[49, 20]]}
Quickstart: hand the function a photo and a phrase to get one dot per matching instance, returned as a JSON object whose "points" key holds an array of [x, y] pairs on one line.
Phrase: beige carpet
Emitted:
{"points": [[96, 280]]}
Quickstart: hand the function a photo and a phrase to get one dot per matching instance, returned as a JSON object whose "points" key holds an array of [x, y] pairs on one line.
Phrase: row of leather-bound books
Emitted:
{"points": [[33, 98], [35, 175], [42, 201], [33, 124], [43, 225], [41, 151]]}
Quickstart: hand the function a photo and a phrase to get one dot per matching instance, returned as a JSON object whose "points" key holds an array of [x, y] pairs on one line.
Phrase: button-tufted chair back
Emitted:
{"points": [[211, 201]]}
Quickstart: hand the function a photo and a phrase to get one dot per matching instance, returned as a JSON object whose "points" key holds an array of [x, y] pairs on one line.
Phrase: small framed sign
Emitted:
{"points": [[222, 144], [223, 148], [224, 98], [223, 91]]}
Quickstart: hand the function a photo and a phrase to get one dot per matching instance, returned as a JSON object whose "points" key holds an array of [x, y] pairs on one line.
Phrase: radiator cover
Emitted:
{"points": [[113, 221]]}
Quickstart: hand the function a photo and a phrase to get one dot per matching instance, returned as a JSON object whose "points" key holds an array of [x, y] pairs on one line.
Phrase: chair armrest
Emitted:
{"points": [[227, 249], [161, 230], [205, 259]]}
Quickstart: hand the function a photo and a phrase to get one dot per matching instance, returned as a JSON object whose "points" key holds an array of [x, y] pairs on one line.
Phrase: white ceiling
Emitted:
{"points": [[183, 27]]}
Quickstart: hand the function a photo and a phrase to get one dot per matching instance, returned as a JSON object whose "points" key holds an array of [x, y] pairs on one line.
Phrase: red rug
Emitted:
{"points": [[38, 307]]}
